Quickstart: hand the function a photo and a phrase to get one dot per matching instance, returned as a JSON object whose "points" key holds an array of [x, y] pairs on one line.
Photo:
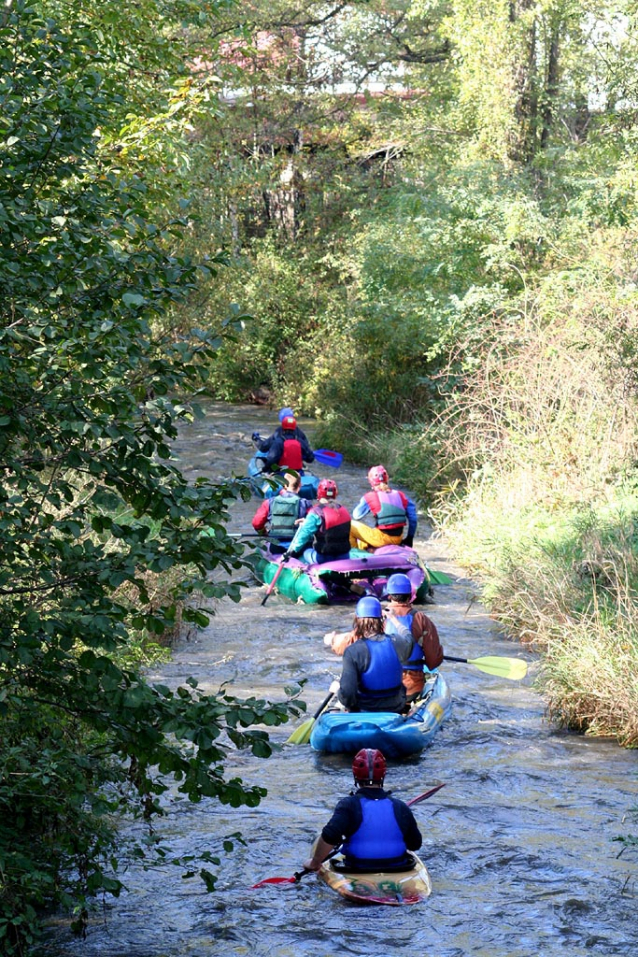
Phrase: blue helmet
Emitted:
{"points": [[284, 413], [368, 607], [399, 585]]}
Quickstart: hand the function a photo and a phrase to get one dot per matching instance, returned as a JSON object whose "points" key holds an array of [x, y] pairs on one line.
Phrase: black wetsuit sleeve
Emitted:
{"points": [[276, 451], [407, 823], [344, 822], [356, 658], [403, 644]]}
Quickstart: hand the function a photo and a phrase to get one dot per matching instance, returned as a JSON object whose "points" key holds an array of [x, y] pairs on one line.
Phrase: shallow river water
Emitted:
{"points": [[519, 843]]}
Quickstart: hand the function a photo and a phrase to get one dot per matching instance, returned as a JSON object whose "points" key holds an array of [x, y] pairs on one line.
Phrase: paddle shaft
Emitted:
{"points": [[324, 704], [274, 581]]}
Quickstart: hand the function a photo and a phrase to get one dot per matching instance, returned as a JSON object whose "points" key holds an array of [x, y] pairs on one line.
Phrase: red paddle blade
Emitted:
{"points": [[275, 880]]}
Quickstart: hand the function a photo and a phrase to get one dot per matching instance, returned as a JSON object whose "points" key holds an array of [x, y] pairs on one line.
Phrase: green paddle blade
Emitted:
{"points": [[514, 668], [301, 735], [438, 578]]}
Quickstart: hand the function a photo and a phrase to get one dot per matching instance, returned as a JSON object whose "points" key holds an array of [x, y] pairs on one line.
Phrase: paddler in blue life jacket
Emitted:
{"points": [[280, 516], [324, 535], [427, 653], [375, 830], [372, 670], [278, 452], [400, 619], [394, 515]]}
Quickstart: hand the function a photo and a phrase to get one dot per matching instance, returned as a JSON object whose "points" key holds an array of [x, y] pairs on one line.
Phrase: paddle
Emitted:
{"points": [[306, 870], [514, 668], [326, 457], [301, 735], [274, 581], [438, 578]]}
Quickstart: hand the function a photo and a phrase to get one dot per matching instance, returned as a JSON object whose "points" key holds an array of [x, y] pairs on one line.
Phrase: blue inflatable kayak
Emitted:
{"points": [[345, 732]]}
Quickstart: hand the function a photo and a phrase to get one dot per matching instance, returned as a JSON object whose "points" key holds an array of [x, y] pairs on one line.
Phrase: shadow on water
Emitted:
{"points": [[519, 843]]}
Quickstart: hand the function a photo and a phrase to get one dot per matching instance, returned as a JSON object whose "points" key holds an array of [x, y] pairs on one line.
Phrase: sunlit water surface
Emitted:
{"points": [[519, 843]]}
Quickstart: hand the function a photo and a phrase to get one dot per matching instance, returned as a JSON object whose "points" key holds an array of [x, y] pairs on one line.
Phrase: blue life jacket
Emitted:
{"points": [[379, 836], [383, 675], [416, 661]]}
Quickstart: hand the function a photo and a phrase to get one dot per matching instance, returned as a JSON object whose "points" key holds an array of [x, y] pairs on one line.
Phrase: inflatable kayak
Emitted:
{"points": [[268, 484], [344, 580], [345, 732], [389, 887]]}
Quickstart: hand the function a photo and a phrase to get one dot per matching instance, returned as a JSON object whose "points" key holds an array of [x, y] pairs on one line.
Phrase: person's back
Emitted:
{"points": [[376, 831], [288, 450], [281, 515], [391, 511], [285, 431], [325, 532], [427, 652], [372, 671]]}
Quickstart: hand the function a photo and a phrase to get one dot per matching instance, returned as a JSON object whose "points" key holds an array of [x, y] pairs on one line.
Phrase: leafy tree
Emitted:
{"points": [[89, 497]]}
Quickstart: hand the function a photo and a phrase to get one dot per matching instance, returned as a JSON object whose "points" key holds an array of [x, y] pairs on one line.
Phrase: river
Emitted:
{"points": [[519, 842]]}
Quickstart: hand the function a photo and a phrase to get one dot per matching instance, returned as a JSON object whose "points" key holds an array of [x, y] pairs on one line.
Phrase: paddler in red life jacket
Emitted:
{"points": [[372, 670], [375, 829], [287, 447], [392, 512], [280, 516], [324, 535]]}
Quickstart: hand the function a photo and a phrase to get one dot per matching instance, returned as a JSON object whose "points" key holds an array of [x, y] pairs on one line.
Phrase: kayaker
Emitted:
{"points": [[390, 510], [372, 670], [324, 534], [374, 829], [427, 653], [279, 516], [400, 619], [278, 438]]}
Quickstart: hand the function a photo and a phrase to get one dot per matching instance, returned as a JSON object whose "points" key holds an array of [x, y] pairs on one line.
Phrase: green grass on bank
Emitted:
{"points": [[564, 582]]}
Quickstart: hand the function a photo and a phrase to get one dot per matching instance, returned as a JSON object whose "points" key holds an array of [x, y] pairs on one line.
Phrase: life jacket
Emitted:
{"points": [[333, 538], [416, 661], [389, 510], [383, 675], [284, 512], [379, 836], [292, 457]]}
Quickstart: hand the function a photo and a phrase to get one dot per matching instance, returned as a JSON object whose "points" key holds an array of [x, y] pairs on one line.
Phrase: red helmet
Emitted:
{"points": [[369, 766], [289, 423], [377, 475], [327, 488]]}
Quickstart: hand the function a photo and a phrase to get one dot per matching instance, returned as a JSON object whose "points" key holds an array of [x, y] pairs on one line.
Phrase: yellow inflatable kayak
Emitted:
{"points": [[391, 887]]}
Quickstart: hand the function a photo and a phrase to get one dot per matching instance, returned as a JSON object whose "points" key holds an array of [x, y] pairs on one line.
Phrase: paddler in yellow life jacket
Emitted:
{"points": [[324, 535], [393, 513], [280, 516], [375, 830]]}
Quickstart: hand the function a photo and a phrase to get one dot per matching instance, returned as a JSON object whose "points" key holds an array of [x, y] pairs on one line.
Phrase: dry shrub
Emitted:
{"points": [[590, 676], [545, 433]]}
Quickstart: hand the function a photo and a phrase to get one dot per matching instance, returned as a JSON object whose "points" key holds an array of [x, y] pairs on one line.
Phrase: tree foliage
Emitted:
{"points": [[89, 497]]}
